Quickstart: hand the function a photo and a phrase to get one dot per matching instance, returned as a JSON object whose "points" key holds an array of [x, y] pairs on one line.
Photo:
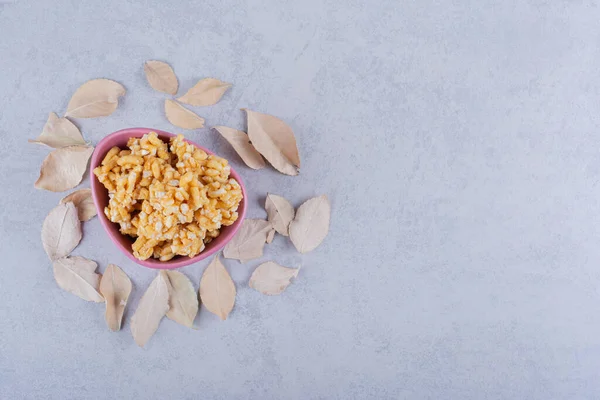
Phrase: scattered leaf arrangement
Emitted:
{"points": [[171, 293]]}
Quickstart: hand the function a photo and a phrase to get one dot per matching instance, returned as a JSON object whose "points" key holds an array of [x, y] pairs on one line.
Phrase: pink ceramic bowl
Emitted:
{"points": [[123, 242]]}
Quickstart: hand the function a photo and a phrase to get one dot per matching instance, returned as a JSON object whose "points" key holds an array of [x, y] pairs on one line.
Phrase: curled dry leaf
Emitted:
{"points": [[183, 300], [161, 76], [115, 286], [59, 132], [63, 169], [180, 116], [311, 224], [271, 278], [95, 98], [241, 144], [270, 236], [78, 275], [153, 306], [206, 92], [249, 241], [279, 213], [217, 290], [61, 231], [82, 199], [275, 140]]}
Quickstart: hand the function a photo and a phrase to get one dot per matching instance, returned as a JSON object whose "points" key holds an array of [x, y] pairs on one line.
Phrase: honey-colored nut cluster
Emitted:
{"points": [[173, 199]]}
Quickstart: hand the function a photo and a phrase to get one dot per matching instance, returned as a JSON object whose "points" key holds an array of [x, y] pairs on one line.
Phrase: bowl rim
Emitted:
{"points": [[106, 224]]}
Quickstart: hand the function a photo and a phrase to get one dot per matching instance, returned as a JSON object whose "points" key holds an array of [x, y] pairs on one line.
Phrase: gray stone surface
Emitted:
{"points": [[457, 140]]}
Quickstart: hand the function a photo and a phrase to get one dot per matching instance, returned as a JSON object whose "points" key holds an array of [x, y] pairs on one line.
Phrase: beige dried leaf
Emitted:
{"points": [[161, 76], [206, 92], [270, 236], [84, 203], [271, 278], [311, 224], [217, 290], [153, 306], [59, 132], [95, 98], [180, 116], [249, 241], [61, 231], [78, 275], [241, 144], [279, 213], [183, 300], [275, 140], [63, 168], [116, 287]]}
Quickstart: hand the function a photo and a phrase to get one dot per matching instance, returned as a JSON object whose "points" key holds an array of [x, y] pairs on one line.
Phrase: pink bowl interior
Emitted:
{"points": [[123, 242]]}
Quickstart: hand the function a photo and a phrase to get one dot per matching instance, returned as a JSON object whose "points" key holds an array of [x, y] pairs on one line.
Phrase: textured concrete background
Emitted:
{"points": [[457, 140]]}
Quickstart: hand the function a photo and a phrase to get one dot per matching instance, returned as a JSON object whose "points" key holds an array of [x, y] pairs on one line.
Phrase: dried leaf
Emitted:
{"points": [[311, 224], [63, 169], [279, 213], [95, 98], [153, 306], [206, 92], [249, 241], [61, 231], [161, 76], [183, 300], [275, 140], [59, 132], [241, 144], [271, 278], [78, 275], [115, 286], [180, 116], [84, 203], [217, 290], [270, 236]]}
